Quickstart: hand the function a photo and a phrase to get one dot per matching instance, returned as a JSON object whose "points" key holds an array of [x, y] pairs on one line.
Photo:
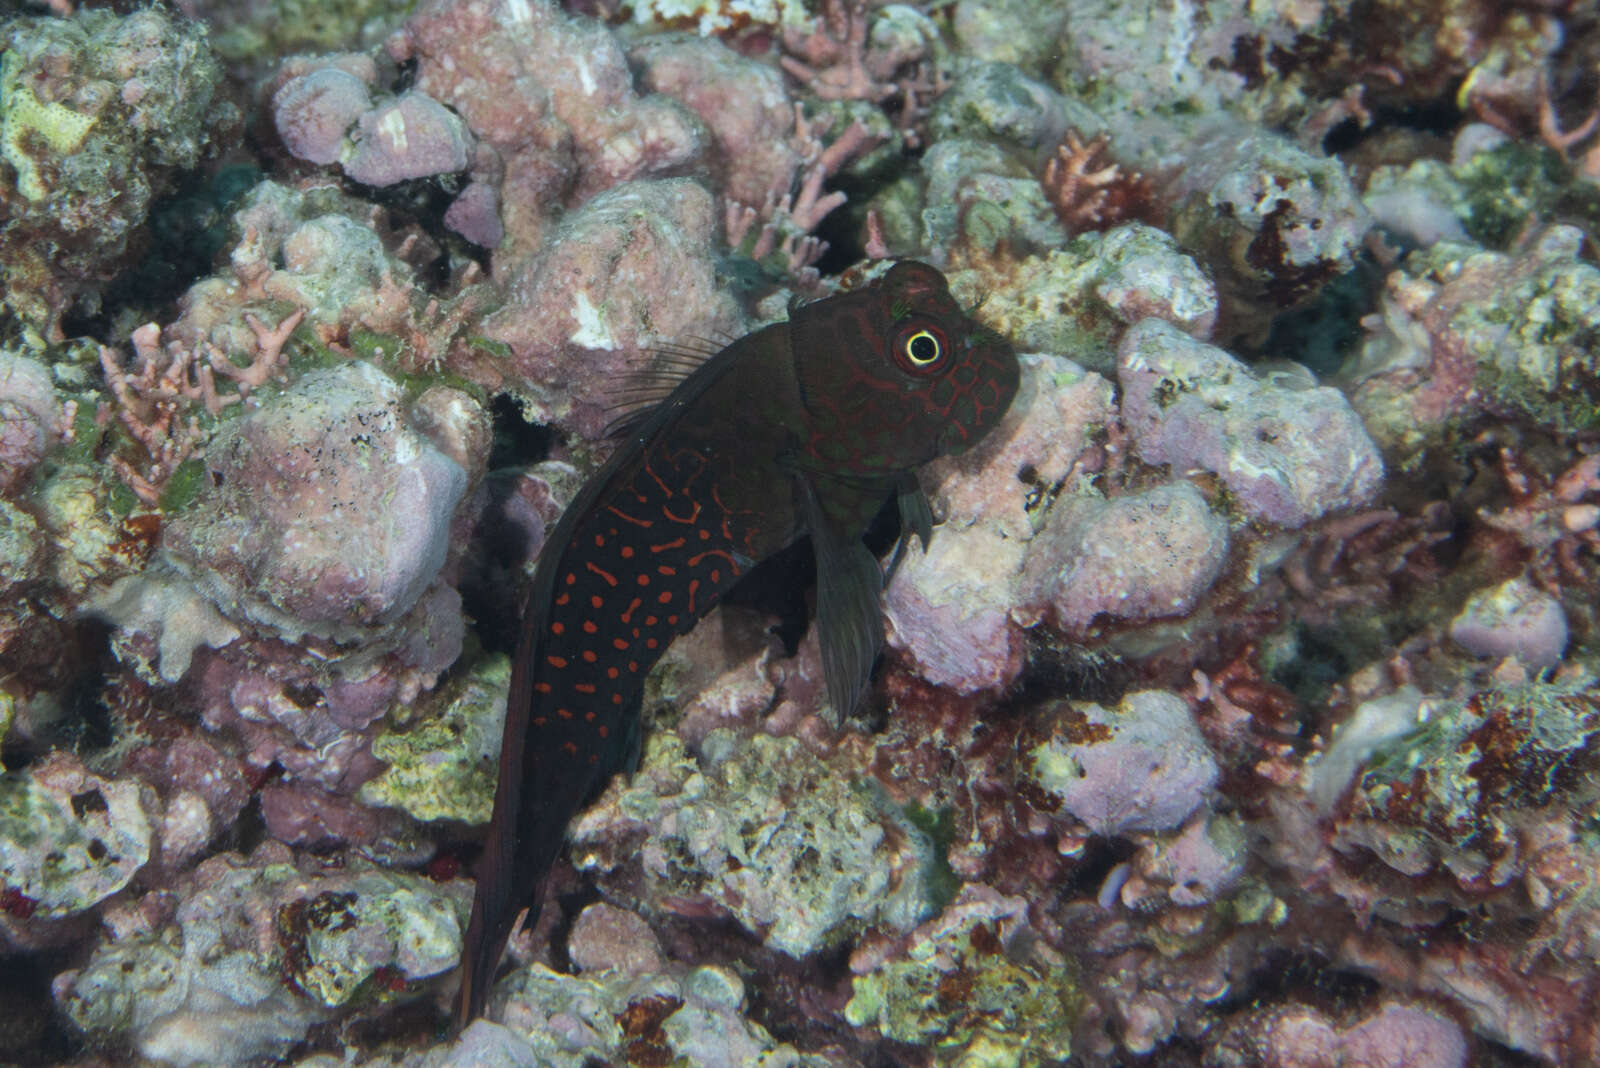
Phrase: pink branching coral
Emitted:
{"points": [[1088, 191], [788, 219], [166, 382], [834, 60]]}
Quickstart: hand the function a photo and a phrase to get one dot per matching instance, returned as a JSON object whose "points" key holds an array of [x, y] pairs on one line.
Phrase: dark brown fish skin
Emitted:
{"points": [[805, 426]]}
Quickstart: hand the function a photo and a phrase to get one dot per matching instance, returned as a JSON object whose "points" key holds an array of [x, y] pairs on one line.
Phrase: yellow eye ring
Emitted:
{"points": [[922, 349]]}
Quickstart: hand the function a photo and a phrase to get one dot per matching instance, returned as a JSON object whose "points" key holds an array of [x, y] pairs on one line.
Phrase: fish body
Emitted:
{"points": [[804, 427]]}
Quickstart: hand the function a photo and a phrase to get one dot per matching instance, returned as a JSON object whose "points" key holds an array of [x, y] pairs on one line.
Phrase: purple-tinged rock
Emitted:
{"points": [[1142, 766], [630, 270], [413, 136], [325, 511], [1134, 557], [1288, 450], [314, 112], [950, 609], [605, 938], [29, 417], [475, 214], [1516, 619]]}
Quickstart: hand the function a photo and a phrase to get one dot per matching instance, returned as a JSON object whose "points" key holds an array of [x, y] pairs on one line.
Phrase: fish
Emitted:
{"points": [[809, 427]]}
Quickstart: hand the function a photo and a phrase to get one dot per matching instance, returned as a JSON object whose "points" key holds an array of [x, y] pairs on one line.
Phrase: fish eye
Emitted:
{"points": [[921, 350]]}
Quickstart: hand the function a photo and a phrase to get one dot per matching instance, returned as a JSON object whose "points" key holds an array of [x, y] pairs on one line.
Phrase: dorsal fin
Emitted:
{"points": [[641, 391]]}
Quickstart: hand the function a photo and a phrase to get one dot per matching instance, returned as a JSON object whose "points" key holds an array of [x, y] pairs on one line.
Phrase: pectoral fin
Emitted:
{"points": [[849, 605], [916, 517]]}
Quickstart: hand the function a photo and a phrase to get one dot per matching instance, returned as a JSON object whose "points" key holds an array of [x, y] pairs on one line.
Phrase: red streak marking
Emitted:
{"points": [[694, 513], [716, 576], [584, 687], [675, 543], [665, 570], [635, 603], [727, 513], [694, 584], [694, 561], [625, 517], [557, 662], [666, 490], [611, 580], [589, 657]]}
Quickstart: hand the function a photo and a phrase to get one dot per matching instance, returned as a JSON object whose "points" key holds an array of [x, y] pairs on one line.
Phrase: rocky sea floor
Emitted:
{"points": [[1243, 709]]}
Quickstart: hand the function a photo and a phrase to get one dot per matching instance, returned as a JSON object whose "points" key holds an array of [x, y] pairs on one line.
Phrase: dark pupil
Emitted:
{"points": [[924, 348]]}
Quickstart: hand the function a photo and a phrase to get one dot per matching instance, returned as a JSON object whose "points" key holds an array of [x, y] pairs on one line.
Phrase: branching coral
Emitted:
{"points": [[1088, 191], [1555, 519], [834, 59], [166, 382]]}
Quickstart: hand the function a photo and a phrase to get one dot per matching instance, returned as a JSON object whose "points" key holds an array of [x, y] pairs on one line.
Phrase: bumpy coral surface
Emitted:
{"points": [[1242, 710]]}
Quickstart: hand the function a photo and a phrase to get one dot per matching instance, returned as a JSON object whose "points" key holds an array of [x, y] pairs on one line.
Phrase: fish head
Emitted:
{"points": [[896, 374]]}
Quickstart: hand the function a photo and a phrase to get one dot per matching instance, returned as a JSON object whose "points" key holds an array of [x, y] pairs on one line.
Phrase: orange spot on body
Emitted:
{"points": [[666, 597], [563, 598], [665, 570], [564, 713], [589, 656], [557, 662], [627, 552], [541, 687], [619, 644], [644, 580], [589, 627], [603, 731], [558, 627], [583, 687]]}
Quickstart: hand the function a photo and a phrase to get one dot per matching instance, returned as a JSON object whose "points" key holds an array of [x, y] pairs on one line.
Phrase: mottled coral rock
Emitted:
{"points": [[1516, 619], [1078, 301], [630, 270], [1138, 556], [30, 416], [1289, 451], [412, 136], [743, 103], [795, 849], [605, 938], [950, 609], [70, 839], [257, 952], [1140, 766], [99, 113], [325, 512], [315, 111]]}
